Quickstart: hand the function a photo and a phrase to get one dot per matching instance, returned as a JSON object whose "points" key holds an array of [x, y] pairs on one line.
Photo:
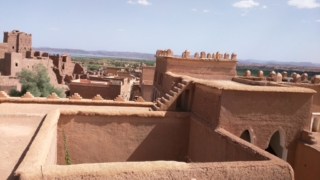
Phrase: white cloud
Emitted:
{"points": [[318, 20], [245, 4], [206, 10], [121, 30], [194, 9], [54, 29], [141, 2], [264, 7], [309, 4]]}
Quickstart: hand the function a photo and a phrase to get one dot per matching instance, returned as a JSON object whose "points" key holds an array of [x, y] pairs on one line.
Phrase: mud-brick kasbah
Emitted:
{"points": [[187, 117]]}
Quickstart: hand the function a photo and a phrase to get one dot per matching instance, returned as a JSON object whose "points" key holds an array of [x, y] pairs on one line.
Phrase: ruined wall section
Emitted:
{"points": [[24, 43], [3, 50], [11, 38], [264, 113]]}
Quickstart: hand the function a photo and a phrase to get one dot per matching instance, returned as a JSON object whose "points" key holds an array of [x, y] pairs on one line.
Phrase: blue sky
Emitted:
{"points": [[281, 30]]}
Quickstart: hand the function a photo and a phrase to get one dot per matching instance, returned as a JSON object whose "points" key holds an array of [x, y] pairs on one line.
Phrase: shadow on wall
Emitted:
{"points": [[121, 139]]}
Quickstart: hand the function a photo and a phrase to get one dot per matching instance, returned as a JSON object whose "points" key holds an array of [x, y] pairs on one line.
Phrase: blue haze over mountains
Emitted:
{"points": [[148, 56]]}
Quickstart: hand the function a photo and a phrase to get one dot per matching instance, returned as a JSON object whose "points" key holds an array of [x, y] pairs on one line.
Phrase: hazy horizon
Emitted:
{"points": [[284, 31]]}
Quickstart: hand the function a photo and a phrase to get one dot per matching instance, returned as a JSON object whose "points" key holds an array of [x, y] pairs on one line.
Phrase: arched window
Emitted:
{"points": [[277, 145], [246, 136]]}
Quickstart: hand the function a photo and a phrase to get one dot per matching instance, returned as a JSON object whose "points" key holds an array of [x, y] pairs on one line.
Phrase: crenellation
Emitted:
{"points": [[97, 98], [53, 96], [164, 53], [27, 95], [234, 56], [209, 56], [296, 78], [226, 56], [304, 77], [213, 56], [196, 55], [203, 55], [284, 74], [75, 96], [219, 56], [315, 79], [260, 74], [247, 73]]}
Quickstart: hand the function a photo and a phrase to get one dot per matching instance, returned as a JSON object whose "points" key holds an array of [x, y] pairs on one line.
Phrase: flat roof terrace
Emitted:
{"points": [[20, 119], [142, 145]]}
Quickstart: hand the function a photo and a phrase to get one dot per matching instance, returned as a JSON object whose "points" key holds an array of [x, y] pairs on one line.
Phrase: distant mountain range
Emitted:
{"points": [[148, 56], [79, 52]]}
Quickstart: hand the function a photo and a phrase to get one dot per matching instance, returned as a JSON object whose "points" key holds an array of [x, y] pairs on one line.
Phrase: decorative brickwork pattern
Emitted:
{"points": [[140, 99], [27, 95], [75, 96], [97, 98], [118, 98], [3, 94], [53, 96]]}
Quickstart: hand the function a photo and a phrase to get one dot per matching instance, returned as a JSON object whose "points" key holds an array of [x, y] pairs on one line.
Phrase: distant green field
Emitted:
{"points": [[94, 63]]}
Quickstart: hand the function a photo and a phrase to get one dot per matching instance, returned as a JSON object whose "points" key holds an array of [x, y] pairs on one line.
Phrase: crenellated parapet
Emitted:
{"points": [[164, 53], [202, 55]]}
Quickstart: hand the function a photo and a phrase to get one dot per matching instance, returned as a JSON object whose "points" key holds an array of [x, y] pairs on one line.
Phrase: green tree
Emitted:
{"points": [[36, 82]]}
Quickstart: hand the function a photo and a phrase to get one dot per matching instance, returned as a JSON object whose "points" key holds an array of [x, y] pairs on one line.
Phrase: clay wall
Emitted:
{"points": [[7, 87], [11, 39], [207, 104], [264, 113], [121, 139], [197, 68], [164, 131], [24, 43], [88, 91], [147, 73], [56, 59], [30, 63], [78, 69], [163, 84], [316, 97], [146, 92], [111, 70], [203, 141], [307, 162], [3, 49], [11, 64]]}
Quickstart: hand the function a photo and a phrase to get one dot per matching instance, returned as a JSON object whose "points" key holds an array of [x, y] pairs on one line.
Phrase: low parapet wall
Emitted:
{"points": [[74, 100]]}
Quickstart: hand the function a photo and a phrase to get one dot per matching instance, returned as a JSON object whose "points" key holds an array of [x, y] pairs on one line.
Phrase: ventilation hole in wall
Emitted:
{"points": [[16, 64], [12, 47]]}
